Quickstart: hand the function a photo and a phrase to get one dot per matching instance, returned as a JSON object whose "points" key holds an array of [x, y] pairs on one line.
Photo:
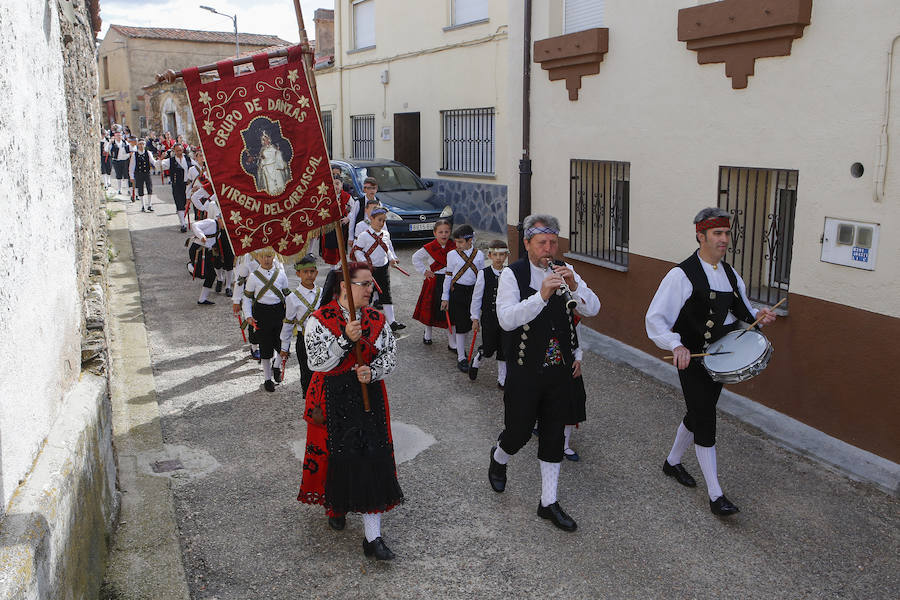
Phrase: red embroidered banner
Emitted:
{"points": [[265, 153]]}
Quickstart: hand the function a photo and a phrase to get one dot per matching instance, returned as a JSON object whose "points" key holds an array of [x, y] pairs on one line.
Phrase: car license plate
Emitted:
{"points": [[421, 226]]}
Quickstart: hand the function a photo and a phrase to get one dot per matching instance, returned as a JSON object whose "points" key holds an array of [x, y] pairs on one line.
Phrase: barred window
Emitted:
{"points": [[468, 141], [598, 210], [327, 127], [762, 203], [363, 136]]}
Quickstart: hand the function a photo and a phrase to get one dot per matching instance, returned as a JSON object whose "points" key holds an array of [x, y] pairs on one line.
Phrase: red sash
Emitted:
{"points": [[438, 254]]}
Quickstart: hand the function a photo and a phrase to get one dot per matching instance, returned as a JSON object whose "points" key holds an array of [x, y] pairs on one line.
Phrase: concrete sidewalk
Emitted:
{"points": [[803, 532]]}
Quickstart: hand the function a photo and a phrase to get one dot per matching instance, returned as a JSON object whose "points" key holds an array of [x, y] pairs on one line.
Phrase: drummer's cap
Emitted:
{"points": [[710, 218], [307, 262]]}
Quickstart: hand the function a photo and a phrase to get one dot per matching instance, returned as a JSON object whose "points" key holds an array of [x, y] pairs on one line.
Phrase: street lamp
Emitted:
{"points": [[237, 46]]}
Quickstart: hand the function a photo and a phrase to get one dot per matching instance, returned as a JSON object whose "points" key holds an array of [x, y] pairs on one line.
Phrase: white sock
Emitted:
{"points": [[549, 480], [254, 347], [707, 459], [567, 434], [204, 293], [500, 455], [372, 523], [501, 372], [428, 332], [181, 218], [267, 368], [389, 313], [451, 337], [476, 361], [461, 346], [683, 439], [145, 203], [106, 180], [229, 278], [118, 186], [220, 275]]}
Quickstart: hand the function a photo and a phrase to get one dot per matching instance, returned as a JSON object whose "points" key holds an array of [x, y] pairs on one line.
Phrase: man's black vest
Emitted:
{"points": [[141, 162], [526, 347], [701, 320], [176, 173], [489, 299]]}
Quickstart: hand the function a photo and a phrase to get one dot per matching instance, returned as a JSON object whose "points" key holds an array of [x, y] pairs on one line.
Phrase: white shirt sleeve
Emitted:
{"points": [[197, 231], [287, 329], [421, 260], [387, 238], [354, 210], [477, 296], [512, 312], [673, 292], [131, 162], [451, 266], [247, 303]]}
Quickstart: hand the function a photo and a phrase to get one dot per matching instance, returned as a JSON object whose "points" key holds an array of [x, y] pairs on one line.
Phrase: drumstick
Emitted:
{"points": [[758, 319], [449, 325], [472, 347], [701, 354], [399, 269], [241, 327]]}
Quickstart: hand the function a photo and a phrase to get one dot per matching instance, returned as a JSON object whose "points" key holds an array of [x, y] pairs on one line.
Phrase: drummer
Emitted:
{"points": [[697, 303]]}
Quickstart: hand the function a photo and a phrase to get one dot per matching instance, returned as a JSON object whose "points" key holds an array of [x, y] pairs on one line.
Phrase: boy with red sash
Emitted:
{"points": [[349, 462], [431, 261]]}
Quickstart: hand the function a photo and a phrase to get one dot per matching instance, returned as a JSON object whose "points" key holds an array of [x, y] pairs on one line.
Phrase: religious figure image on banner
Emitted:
{"points": [[265, 150], [267, 160]]}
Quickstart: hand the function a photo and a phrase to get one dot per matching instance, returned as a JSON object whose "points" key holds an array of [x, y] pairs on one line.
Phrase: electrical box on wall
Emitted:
{"points": [[385, 77], [850, 243]]}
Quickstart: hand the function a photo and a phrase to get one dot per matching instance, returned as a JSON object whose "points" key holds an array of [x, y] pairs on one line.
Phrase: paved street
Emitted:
{"points": [[803, 532]]}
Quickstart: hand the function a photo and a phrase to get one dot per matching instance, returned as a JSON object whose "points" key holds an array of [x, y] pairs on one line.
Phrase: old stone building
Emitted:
{"points": [[57, 471], [130, 57]]}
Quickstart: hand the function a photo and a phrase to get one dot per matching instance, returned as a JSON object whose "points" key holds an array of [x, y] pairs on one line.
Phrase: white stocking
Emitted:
{"points": [[707, 459], [451, 337], [389, 313], [501, 456], [229, 278], [181, 218], [567, 434], [267, 368], [372, 523], [501, 372], [461, 346], [427, 332], [204, 293], [549, 480], [683, 439]]}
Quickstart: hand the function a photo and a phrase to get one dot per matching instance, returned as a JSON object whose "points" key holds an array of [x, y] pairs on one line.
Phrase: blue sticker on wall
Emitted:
{"points": [[861, 254]]}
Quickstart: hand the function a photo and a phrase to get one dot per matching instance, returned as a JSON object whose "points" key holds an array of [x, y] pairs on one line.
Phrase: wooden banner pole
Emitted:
{"points": [[308, 60]]}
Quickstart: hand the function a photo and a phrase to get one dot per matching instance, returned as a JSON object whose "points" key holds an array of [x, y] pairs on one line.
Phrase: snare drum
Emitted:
{"points": [[748, 356]]}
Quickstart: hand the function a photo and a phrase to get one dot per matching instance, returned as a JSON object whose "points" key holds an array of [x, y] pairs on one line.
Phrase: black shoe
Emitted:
{"points": [[723, 507], [143, 209], [218, 287], [573, 457], [337, 523], [228, 292], [463, 365], [555, 513], [496, 474], [427, 342], [397, 326], [452, 350], [501, 386], [680, 475], [149, 209], [378, 548], [276, 375], [254, 354], [205, 302], [269, 385], [473, 371], [183, 229]]}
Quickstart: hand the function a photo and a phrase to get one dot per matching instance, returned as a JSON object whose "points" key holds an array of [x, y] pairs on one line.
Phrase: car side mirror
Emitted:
{"points": [[429, 184]]}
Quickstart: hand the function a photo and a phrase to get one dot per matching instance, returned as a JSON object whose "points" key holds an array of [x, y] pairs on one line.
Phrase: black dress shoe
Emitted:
{"points": [[453, 350], [276, 375], [473, 371], [228, 292], [205, 302], [218, 287], [269, 385], [573, 457], [337, 523], [378, 548], [496, 474], [427, 342], [501, 386], [680, 475], [555, 513], [397, 326], [463, 366], [149, 209], [723, 507], [183, 229]]}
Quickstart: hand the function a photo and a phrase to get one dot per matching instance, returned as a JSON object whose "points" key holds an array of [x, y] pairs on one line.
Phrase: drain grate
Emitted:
{"points": [[165, 466]]}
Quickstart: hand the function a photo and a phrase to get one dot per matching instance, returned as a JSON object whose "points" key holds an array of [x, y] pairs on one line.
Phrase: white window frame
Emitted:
{"points": [[579, 15], [356, 37], [473, 11]]}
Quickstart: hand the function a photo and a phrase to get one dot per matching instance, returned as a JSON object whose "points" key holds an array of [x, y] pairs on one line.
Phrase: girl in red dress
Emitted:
{"points": [[431, 261]]}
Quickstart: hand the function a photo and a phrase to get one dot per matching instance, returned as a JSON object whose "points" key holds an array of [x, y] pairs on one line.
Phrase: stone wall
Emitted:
{"points": [[481, 205]]}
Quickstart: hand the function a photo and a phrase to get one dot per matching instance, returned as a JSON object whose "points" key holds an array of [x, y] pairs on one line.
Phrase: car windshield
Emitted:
{"points": [[391, 178]]}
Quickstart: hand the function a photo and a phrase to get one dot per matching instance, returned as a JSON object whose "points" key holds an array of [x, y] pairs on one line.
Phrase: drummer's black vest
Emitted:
{"points": [[701, 320], [489, 300], [177, 173], [526, 347], [141, 162]]}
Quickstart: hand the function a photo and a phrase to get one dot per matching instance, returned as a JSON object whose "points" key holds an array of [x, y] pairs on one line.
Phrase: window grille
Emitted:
{"points": [[583, 14], [327, 128], [599, 208], [468, 141], [363, 140], [363, 24], [762, 203], [468, 11]]}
